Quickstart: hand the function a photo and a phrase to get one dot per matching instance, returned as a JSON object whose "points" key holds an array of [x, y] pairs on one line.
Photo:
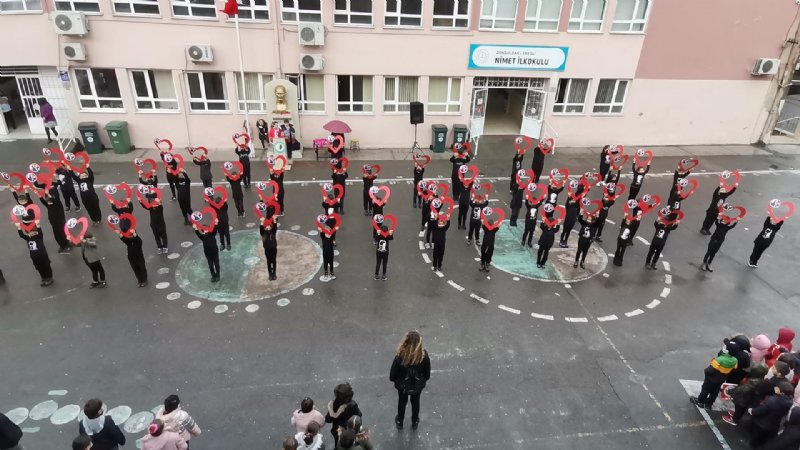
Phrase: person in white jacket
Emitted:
{"points": [[311, 439], [177, 420]]}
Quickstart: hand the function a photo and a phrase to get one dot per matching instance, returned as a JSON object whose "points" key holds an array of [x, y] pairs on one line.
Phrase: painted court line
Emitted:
{"points": [[426, 258], [421, 245], [455, 285], [439, 274], [714, 429], [668, 279], [576, 319], [665, 292], [479, 298], [607, 318], [611, 222], [644, 241], [653, 304], [666, 265], [506, 308], [542, 316], [634, 313]]}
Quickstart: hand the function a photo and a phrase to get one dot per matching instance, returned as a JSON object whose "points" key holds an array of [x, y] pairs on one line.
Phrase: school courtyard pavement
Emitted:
{"points": [[521, 358]]}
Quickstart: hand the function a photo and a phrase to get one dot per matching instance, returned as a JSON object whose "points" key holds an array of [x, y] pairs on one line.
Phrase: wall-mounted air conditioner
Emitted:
{"points": [[311, 62], [199, 53], [311, 34], [70, 23], [74, 52], [766, 66]]}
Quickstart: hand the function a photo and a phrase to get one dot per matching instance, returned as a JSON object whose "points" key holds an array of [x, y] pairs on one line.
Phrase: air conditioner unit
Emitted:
{"points": [[766, 66], [199, 53], [311, 62], [70, 23], [74, 52], [311, 34]]}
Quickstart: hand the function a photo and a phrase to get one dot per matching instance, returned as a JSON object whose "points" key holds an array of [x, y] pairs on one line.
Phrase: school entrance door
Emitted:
{"points": [[510, 106]]}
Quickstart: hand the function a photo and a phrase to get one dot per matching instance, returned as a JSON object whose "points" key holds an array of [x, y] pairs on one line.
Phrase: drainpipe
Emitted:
{"points": [[789, 59], [277, 36]]}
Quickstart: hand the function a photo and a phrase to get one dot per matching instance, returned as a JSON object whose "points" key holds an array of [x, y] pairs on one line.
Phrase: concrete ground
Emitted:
{"points": [[517, 363]]}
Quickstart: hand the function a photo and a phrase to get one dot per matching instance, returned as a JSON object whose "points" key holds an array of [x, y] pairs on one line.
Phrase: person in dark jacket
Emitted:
{"points": [[235, 181], [516, 165], [517, 194], [277, 176], [585, 238], [157, 223], [767, 417], [744, 395], [717, 199], [714, 376], [663, 227], [244, 157], [37, 250], [487, 246], [439, 242], [548, 236], [341, 409], [10, 434], [715, 243], [419, 172], [91, 201], [269, 239], [605, 161], [223, 227], [263, 129], [531, 216], [339, 176], [638, 180], [205, 169], [57, 218], [458, 160], [67, 186], [105, 434], [382, 251], [789, 439], [764, 239], [368, 180], [133, 242], [463, 204], [476, 205], [94, 260], [573, 207], [183, 185], [537, 162], [172, 180], [410, 372], [210, 248]]}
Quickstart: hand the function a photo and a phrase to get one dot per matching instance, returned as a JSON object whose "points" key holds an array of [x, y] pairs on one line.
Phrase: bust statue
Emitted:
{"points": [[280, 100]]}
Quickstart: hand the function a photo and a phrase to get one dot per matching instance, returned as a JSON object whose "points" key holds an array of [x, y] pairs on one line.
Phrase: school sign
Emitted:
{"points": [[517, 57]]}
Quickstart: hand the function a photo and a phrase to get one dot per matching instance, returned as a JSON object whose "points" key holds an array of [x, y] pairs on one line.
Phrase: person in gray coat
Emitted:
{"points": [[93, 259]]}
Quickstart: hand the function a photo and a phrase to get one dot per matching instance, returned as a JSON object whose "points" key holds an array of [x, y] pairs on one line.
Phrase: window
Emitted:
{"points": [[498, 14], [147, 7], [610, 96], [450, 13], [87, 6], [631, 16], [399, 92], [587, 15], [403, 13], [194, 8], [293, 11], [254, 88], [253, 10], [352, 12], [11, 6], [154, 90], [207, 91], [444, 95], [354, 93], [570, 95], [542, 15], [98, 88], [310, 92]]}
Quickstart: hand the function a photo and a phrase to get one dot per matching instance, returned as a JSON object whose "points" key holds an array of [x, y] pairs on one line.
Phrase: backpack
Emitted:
{"points": [[413, 383]]}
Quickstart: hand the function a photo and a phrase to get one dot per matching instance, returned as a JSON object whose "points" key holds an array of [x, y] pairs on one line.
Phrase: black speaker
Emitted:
{"points": [[417, 113]]}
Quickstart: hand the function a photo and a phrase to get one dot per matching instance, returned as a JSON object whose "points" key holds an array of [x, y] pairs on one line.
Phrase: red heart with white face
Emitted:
{"points": [[71, 158], [179, 163], [461, 150], [204, 220], [8, 179], [112, 189], [522, 144], [547, 145], [524, 177], [371, 170], [49, 153], [616, 149], [591, 207], [322, 223], [558, 177], [649, 202], [335, 144], [40, 179], [267, 212], [19, 211], [380, 194], [421, 160], [437, 189], [729, 213], [211, 194], [339, 165], [775, 205], [72, 226], [643, 157], [332, 193], [468, 174], [629, 206], [619, 161], [143, 192], [592, 179], [481, 191], [233, 169], [276, 164], [613, 191], [387, 220], [492, 218], [687, 187], [677, 216], [686, 165], [198, 153], [444, 211], [574, 189], [114, 220], [559, 212], [163, 145], [145, 167], [422, 189], [729, 180], [268, 190], [242, 140], [535, 193]]}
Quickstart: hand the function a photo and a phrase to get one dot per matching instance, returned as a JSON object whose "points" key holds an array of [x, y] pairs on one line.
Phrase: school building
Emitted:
{"points": [[636, 72]]}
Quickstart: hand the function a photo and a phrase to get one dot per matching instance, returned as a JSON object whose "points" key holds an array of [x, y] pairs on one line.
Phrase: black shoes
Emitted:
{"points": [[598, 239], [398, 423], [46, 282], [575, 266], [414, 424], [582, 266], [705, 232]]}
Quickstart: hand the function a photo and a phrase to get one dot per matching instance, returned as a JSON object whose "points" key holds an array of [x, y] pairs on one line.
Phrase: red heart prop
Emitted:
{"points": [[71, 224], [648, 202], [685, 165], [558, 177], [468, 174], [338, 193], [443, 213], [179, 165], [113, 222], [572, 189], [198, 216], [233, 169], [374, 170], [271, 185], [682, 188], [586, 206], [145, 202], [216, 190], [140, 165], [481, 191], [322, 225], [437, 189], [559, 212], [262, 208], [617, 149], [496, 214], [421, 160], [335, 144], [592, 179], [628, 215], [242, 140], [679, 215], [17, 219], [198, 153], [391, 218], [619, 161], [540, 191], [726, 177], [112, 189], [47, 181], [276, 164], [619, 189], [524, 177], [547, 145], [50, 152], [382, 199], [78, 155], [461, 150], [643, 157], [522, 144], [775, 204], [422, 189], [7, 177], [158, 142], [344, 162], [725, 210]]}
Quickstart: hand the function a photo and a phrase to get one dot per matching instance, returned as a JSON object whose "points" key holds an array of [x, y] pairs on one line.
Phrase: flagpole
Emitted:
{"points": [[241, 74]]}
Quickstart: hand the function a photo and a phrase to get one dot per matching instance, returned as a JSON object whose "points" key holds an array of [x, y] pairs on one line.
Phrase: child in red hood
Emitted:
{"points": [[785, 338]]}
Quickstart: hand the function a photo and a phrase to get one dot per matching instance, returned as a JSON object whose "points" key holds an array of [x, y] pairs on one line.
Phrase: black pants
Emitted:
{"points": [[272, 260], [381, 260], [713, 247], [281, 193], [538, 168], [759, 436], [341, 202], [185, 203], [327, 259], [98, 273], [160, 234], [634, 192], [622, 244], [171, 181], [42, 265], [709, 391], [92, 204], [653, 254], [139, 269], [246, 171], [366, 200], [758, 249], [569, 224], [583, 250], [60, 235], [514, 216], [416, 198], [457, 186], [463, 213], [634, 228], [70, 196], [9, 116], [543, 253], [429, 231], [527, 235], [708, 222], [238, 200], [402, 401], [48, 130], [601, 222], [438, 255], [207, 183], [426, 215], [224, 233], [738, 411], [487, 250], [213, 263], [474, 227]]}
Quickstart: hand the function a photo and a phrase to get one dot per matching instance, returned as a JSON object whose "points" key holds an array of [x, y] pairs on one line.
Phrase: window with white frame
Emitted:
{"points": [[610, 97], [542, 15], [17, 6], [293, 11], [207, 91], [587, 15], [253, 90], [403, 13], [450, 13], [194, 8], [498, 14], [143, 7], [570, 95], [399, 92], [310, 92], [631, 16], [98, 89], [154, 90], [352, 12], [87, 6], [444, 95], [354, 93], [256, 10]]}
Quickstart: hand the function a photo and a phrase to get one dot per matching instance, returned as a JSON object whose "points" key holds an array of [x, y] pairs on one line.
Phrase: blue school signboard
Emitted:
{"points": [[517, 57]]}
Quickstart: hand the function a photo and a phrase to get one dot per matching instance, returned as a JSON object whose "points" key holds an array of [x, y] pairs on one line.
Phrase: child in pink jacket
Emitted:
{"points": [[157, 438], [305, 415]]}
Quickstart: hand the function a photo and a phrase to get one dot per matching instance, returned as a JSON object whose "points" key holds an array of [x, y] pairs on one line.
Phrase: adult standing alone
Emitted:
{"points": [[8, 114], [48, 118], [411, 370]]}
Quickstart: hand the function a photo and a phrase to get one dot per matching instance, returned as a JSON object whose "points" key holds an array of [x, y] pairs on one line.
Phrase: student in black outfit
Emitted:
{"points": [[638, 180], [676, 179], [126, 208], [244, 157], [764, 239], [157, 223], [94, 261], [89, 197], [634, 224], [573, 208], [183, 185], [553, 192], [37, 250], [56, 217], [148, 178], [263, 129], [516, 203], [368, 179], [717, 238], [487, 246], [439, 241], [626, 231], [476, 205], [585, 237], [235, 181], [548, 236], [133, 242], [205, 170], [67, 187], [717, 199], [615, 172], [666, 221], [382, 251], [516, 166], [609, 198], [269, 239], [419, 172], [210, 248], [425, 205], [530, 219], [328, 241], [459, 159], [223, 225], [171, 179], [339, 176], [436, 204], [605, 161], [277, 176], [537, 163], [463, 205]]}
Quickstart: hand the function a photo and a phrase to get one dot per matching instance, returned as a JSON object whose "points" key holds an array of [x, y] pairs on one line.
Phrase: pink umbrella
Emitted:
{"points": [[337, 126]]}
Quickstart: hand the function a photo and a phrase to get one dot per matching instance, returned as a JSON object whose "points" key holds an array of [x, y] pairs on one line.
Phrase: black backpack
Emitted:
{"points": [[413, 383]]}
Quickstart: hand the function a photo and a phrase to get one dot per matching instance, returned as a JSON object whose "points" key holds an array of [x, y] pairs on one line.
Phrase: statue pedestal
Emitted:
{"points": [[291, 111]]}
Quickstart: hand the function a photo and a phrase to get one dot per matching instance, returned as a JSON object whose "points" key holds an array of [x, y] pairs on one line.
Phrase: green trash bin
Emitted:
{"points": [[119, 137], [460, 133], [90, 137], [439, 137]]}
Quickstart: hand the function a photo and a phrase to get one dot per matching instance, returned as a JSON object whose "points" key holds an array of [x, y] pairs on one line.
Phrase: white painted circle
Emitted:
{"points": [[120, 414], [282, 302], [252, 261], [251, 308], [194, 304], [324, 279], [219, 309], [173, 295], [515, 278], [336, 264], [313, 233], [43, 410], [187, 244], [163, 271], [294, 227], [162, 285], [308, 291], [173, 256], [138, 422], [250, 224], [336, 253], [17, 415], [30, 430], [65, 414]]}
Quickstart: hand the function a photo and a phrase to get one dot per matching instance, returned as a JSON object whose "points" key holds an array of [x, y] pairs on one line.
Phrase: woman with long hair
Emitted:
{"points": [[411, 370]]}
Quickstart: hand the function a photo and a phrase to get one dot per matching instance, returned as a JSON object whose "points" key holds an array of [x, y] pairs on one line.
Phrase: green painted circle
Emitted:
{"points": [[299, 259]]}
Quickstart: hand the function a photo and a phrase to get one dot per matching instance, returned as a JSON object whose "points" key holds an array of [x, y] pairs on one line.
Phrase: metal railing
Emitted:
{"points": [[549, 132], [66, 136], [790, 126]]}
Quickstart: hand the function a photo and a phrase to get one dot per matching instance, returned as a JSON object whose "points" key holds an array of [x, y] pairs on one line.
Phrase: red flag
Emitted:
{"points": [[231, 8]]}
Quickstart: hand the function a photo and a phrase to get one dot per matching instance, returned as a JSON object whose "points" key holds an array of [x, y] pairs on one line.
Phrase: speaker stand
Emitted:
{"points": [[414, 148]]}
